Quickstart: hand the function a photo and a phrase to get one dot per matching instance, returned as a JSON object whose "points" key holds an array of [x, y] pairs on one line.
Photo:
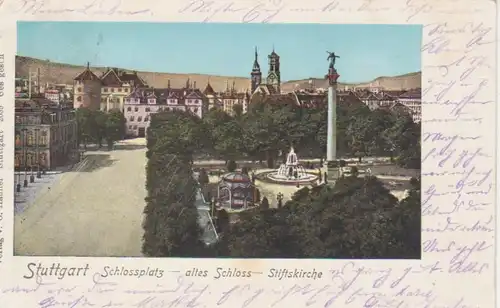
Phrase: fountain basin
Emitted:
{"points": [[273, 177]]}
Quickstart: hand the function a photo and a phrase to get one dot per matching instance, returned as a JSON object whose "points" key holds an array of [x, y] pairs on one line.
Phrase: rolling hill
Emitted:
{"points": [[52, 72]]}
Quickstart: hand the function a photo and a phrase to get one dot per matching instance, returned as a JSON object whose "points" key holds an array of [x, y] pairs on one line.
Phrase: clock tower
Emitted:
{"points": [[274, 76]]}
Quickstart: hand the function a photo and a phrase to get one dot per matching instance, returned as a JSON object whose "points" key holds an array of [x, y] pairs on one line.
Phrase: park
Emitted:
{"points": [[267, 203]]}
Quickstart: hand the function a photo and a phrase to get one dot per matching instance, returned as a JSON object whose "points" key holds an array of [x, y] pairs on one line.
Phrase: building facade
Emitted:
{"points": [[392, 100], [413, 101], [116, 86], [87, 90], [143, 102], [272, 85], [106, 92], [231, 97], [213, 98], [45, 134]]}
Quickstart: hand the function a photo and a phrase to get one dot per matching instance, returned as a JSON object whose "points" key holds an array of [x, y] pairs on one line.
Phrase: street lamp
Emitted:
{"points": [[24, 158], [279, 197], [212, 206], [30, 139], [18, 175], [37, 142]]}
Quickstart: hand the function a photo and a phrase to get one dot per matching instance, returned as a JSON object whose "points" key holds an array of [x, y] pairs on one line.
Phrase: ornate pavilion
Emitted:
{"points": [[235, 192]]}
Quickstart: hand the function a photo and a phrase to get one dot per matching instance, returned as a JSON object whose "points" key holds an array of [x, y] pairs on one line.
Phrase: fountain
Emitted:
{"points": [[291, 172]]}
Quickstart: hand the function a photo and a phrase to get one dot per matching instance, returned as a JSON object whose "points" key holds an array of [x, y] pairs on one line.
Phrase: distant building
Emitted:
{"points": [[212, 97], [272, 85], [375, 100], [231, 97], [55, 96], [394, 100], [45, 134], [116, 85], [87, 90], [106, 92], [413, 100], [143, 102]]}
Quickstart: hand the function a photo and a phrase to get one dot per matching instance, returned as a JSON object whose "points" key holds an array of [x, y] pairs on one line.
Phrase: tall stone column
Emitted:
{"points": [[333, 172], [331, 149]]}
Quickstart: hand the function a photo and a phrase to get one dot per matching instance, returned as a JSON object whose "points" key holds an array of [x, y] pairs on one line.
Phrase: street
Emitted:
{"points": [[95, 211]]}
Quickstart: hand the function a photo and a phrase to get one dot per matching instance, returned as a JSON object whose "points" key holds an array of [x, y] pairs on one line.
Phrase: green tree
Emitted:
{"points": [[214, 119], [404, 140], [359, 132], [115, 127], [231, 166], [271, 126], [263, 234], [407, 216], [203, 177], [257, 195], [227, 138], [354, 219], [354, 171], [264, 204], [223, 222], [86, 125], [170, 225], [244, 170], [100, 131], [180, 133], [237, 110]]}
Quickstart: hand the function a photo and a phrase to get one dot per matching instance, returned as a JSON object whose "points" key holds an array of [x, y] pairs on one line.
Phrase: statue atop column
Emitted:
{"points": [[332, 75], [332, 57]]}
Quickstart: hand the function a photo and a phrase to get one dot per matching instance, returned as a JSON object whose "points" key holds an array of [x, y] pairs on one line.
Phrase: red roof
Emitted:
{"points": [[208, 89], [87, 75]]}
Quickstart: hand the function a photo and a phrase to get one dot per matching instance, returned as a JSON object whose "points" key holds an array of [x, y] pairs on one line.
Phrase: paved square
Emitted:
{"points": [[96, 211]]}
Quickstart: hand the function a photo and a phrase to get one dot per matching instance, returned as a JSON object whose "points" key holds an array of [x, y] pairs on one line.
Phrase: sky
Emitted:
{"points": [[365, 51]]}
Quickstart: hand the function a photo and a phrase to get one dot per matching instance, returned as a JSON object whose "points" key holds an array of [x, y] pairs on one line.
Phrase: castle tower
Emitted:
{"points": [[256, 75], [274, 75], [87, 90]]}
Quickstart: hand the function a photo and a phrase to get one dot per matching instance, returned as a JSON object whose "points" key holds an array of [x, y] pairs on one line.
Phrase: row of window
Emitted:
{"points": [[112, 100], [30, 159], [152, 101], [136, 109], [139, 119], [147, 109], [112, 90]]}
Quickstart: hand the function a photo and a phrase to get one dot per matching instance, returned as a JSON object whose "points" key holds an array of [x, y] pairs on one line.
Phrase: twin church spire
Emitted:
{"points": [[273, 75]]}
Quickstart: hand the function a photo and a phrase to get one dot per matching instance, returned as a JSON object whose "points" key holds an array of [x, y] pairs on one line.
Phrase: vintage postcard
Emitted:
{"points": [[247, 154]]}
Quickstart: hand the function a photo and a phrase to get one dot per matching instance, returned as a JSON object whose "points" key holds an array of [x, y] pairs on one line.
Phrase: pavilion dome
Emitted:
{"points": [[237, 177]]}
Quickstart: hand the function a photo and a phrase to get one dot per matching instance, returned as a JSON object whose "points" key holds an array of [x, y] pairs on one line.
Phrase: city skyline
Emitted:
{"points": [[375, 51]]}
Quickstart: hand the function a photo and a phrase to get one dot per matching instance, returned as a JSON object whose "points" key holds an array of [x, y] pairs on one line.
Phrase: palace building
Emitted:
{"points": [[45, 134], [143, 102]]}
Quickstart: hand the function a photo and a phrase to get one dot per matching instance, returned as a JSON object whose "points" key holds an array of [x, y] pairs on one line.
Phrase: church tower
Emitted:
{"points": [[274, 76], [256, 74]]}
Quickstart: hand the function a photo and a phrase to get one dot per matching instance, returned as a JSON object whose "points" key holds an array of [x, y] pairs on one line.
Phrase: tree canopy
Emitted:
{"points": [[356, 218], [98, 126], [274, 123], [170, 224]]}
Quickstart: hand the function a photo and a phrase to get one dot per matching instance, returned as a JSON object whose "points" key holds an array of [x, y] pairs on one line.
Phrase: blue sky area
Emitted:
{"points": [[366, 51]]}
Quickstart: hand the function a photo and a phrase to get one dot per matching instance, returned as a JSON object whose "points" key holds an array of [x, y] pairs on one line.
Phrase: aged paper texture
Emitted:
{"points": [[43, 265]]}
